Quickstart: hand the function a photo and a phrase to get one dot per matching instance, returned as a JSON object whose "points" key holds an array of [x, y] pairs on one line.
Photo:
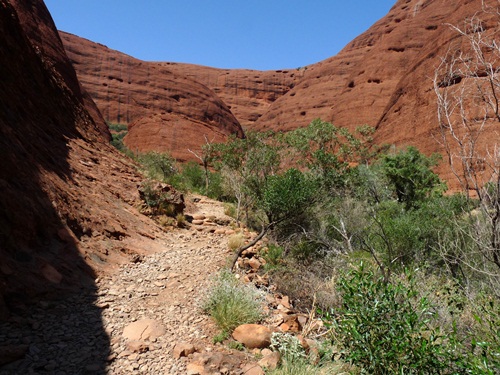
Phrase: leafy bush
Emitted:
{"points": [[273, 256], [231, 303], [157, 200], [385, 329], [157, 165], [484, 355], [287, 195], [410, 174], [193, 177], [295, 361]]}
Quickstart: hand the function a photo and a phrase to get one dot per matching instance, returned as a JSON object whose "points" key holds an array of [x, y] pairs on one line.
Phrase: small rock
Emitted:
{"points": [[145, 329], [51, 274], [254, 263], [183, 350], [194, 369], [252, 369], [270, 360], [11, 353], [136, 346]]}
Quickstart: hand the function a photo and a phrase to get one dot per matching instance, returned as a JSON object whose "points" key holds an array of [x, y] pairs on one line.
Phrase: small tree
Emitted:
{"points": [[410, 174]]}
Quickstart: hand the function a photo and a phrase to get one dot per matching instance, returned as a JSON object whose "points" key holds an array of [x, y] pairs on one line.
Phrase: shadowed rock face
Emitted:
{"points": [[66, 194]]}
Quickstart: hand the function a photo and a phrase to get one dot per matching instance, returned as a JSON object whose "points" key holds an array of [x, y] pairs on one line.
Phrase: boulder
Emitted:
{"points": [[270, 360], [253, 335], [164, 195]]}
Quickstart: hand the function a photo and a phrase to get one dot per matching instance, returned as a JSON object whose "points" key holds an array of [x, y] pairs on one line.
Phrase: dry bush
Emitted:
{"points": [[236, 241]]}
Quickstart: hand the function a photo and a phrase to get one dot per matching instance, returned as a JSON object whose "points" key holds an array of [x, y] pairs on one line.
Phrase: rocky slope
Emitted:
{"points": [[248, 93], [67, 197]]}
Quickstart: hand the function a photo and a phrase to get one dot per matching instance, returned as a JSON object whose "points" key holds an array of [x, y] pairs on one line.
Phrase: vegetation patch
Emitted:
{"points": [[231, 303]]}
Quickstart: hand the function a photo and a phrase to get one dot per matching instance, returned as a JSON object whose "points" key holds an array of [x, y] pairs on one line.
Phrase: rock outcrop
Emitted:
{"points": [[67, 197], [383, 78], [248, 93], [165, 111]]}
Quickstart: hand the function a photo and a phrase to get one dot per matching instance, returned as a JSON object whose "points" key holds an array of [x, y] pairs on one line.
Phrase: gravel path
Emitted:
{"points": [[82, 333]]}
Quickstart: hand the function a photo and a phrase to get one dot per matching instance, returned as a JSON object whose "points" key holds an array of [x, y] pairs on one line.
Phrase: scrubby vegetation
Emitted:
{"points": [[405, 275], [402, 273]]}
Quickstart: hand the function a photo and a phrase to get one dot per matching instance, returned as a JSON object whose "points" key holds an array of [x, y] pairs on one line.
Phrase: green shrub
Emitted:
{"points": [[385, 329], [410, 173], [193, 177], [231, 303], [484, 355], [157, 200], [295, 361], [287, 195], [273, 256], [157, 165], [117, 127], [288, 346]]}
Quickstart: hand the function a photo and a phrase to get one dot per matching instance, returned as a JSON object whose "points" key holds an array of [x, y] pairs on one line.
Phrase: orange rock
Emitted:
{"points": [[253, 335]]}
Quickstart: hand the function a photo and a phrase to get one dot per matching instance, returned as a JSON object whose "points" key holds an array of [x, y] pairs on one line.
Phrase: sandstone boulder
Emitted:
{"points": [[183, 349], [253, 335]]}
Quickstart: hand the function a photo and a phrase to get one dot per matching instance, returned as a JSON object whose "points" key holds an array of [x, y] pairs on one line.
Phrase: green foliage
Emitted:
{"points": [[117, 127], [385, 328], [327, 150], [194, 177], [158, 165], [287, 195], [220, 337], [231, 303], [157, 200], [288, 346], [273, 257], [410, 174], [117, 141], [118, 132], [484, 356]]}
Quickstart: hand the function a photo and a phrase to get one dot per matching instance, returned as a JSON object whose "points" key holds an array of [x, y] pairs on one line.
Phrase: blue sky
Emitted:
{"points": [[253, 34]]}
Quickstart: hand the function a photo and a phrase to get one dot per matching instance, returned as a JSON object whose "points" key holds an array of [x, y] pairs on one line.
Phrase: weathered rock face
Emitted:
{"points": [[165, 111], [66, 194], [248, 93], [383, 78]]}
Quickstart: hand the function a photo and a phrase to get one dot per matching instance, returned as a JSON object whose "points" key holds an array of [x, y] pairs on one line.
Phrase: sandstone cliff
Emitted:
{"points": [[67, 196], [165, 111], [383, 78]]}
